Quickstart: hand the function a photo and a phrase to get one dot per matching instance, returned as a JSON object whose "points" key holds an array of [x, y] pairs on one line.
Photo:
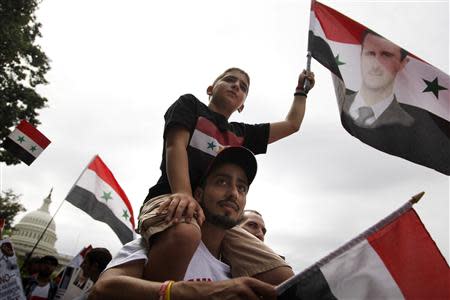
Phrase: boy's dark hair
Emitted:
{"points": [[101, 256], [49, 259], [403, 52], [230, 70]]}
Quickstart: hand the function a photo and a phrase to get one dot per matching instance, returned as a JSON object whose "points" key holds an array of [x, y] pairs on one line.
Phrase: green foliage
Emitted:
{"points": [[23, 66], [9, 208]]}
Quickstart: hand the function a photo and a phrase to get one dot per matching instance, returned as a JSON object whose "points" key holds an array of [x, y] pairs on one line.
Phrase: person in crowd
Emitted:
{"points": [[41, 285], [93, 265], [253, 222]]}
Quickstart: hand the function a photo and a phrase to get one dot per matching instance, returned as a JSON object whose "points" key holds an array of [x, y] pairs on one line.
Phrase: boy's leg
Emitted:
{"points": [[171, 247], [248, 256]]}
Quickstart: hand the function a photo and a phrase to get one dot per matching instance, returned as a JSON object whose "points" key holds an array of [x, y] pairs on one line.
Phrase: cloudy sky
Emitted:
{"points": [[117, 66]]}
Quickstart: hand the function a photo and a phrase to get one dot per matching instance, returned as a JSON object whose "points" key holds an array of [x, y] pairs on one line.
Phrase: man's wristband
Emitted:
{"points": [[164, 290]]}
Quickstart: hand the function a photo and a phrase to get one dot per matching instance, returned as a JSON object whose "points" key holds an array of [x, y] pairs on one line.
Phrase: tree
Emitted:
{"points": [[9, 207], [23, 66]]}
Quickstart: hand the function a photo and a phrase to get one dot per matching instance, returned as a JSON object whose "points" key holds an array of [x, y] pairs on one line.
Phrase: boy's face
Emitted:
{"points": [[230, 91]]}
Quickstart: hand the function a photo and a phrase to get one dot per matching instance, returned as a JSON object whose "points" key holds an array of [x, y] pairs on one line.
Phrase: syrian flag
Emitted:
{"points": [[97, 193], [408, 98], [395, 259], [26, 142], [208, 139]]}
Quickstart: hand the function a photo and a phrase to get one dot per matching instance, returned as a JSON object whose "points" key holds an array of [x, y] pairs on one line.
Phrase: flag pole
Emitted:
{"points": [[307, 84], [416, 198], [27, 258]]}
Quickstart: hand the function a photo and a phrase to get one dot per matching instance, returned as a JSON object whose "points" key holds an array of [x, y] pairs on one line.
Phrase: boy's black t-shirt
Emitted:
{"points": [[209, 133]]}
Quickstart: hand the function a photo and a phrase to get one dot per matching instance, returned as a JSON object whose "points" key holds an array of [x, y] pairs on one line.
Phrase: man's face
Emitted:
{"points": [[47, 268], [224, 196], [380, 62], [230, 91], [254, 224]]}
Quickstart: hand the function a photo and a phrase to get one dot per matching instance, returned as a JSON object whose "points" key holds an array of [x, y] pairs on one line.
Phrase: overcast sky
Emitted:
{"points": [[118, 65]]}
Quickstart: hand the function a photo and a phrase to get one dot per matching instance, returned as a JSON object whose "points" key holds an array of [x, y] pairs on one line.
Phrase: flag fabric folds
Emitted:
{"points": [[97, 193], [388, 98], [395, 259], [26, 142]]}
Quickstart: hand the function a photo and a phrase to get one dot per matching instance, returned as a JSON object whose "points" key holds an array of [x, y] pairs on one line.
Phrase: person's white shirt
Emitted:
{"points": [[202, 267], [40, 292]]}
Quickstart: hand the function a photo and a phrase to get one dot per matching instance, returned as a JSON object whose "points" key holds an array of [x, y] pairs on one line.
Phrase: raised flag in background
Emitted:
{"points": [[97, 193], [395, 259], [26, 142], [388, 98]]}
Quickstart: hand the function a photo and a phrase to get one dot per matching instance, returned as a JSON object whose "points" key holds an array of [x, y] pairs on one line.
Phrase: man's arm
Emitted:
{"points": [[123, 282], [294, 118]]}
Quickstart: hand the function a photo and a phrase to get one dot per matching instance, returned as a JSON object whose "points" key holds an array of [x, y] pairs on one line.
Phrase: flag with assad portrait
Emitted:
{"points": [[388, 98]]}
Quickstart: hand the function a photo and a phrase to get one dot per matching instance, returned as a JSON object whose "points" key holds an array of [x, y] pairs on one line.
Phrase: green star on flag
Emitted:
{"points": [[21, 139], [125, 214], [338, 61], [33, 148], [433, 86], [211, 145], [106, 196]]}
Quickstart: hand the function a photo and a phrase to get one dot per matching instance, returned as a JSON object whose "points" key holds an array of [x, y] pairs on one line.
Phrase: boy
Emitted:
{"points": [[194, 133]]}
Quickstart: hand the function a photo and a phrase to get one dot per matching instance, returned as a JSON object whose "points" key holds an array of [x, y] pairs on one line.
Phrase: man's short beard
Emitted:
{"points": [[221, 221]]}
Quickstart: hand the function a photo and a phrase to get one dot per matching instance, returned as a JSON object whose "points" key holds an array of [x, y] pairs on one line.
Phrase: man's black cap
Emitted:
{"points": [[240, 156]]}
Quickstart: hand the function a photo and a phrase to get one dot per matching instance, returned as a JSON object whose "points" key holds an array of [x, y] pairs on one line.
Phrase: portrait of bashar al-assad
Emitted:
{"points": [[375, 103]]}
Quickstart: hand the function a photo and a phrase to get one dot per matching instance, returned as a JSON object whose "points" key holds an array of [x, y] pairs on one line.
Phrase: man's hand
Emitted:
{"points": [[243, 288], [180, 205]]}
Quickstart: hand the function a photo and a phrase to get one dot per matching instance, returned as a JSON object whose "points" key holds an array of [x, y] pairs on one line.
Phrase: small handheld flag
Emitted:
{"points": [[26, 142], [99, 194]]}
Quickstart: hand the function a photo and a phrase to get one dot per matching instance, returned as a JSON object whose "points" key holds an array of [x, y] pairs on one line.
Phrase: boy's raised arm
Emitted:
{"points": [[294, 118]]}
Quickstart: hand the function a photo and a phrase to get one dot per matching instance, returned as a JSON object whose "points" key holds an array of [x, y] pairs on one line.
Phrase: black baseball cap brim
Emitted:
{"points": [[240, 156]]}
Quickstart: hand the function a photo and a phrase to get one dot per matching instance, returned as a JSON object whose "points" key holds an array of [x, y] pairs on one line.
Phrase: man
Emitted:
{"points": [[222, 196], [253, 222], [375, 103], [42, 287], [93, 265]]}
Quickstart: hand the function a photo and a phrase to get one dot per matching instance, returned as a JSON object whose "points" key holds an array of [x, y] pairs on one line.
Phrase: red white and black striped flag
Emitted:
{"points": [[26, 142], [388, 98], [395, 259], [99, 194]]}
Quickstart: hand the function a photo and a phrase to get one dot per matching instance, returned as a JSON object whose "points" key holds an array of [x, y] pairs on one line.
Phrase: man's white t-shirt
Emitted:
{"points": [[40, 292], [202, 267]]}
